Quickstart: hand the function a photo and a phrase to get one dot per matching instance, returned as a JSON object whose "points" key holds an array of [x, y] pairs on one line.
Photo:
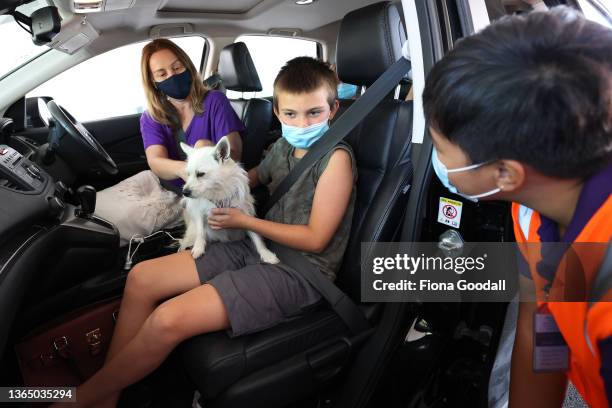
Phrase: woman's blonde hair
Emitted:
{"points": [[159, 108]]}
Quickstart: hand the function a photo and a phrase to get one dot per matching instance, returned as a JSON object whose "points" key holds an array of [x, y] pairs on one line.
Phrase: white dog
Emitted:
{"points": [[216, 181]]}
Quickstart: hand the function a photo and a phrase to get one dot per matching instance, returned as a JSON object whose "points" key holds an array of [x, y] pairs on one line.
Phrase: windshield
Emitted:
{"points": [[19, 50]]}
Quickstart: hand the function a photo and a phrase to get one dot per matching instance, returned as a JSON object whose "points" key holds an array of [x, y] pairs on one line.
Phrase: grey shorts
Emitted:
{"points": [[256, 295]]}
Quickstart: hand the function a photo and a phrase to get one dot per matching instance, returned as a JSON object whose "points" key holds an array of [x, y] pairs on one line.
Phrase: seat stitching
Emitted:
{"points": [[318, 323]]}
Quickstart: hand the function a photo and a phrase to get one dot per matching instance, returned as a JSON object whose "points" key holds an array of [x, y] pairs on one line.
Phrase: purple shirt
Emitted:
{"points": [[218, 120]]}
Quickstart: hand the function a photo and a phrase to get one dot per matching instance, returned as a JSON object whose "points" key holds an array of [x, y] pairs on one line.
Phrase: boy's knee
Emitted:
{"points": [[139, 280], [165, 325]]}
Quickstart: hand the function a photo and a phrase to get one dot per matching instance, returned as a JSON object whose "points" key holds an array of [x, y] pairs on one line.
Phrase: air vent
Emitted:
{"points": [[11, 185]]}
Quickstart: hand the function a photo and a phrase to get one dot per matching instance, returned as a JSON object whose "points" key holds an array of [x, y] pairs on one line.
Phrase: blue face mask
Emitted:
{"points": [[346, 91], [442, 173], [177, 86], [303, 138]]}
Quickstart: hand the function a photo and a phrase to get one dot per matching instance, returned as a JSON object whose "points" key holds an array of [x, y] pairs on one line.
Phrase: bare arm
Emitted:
{"points": [[202, 143], [529, 389], [330, 202], [162, 166]]}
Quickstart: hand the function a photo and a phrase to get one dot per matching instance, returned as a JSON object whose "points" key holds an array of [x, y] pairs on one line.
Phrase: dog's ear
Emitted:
{"points": [[186, 148], [222, 150]]}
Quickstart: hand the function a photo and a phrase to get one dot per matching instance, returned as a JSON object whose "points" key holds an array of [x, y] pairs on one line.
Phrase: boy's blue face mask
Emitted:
{"points": [[177, 86], [442, 173], [346, 91], [303, 138]]}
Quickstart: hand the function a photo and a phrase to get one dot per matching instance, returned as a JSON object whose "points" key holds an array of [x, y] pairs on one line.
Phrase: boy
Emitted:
{"points": [[229, 287], [522, 112]]}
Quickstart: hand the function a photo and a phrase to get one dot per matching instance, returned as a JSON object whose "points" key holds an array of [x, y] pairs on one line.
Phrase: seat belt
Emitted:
{"points": [[342, 305], [343, 126], [339, 301], [179, 136]]}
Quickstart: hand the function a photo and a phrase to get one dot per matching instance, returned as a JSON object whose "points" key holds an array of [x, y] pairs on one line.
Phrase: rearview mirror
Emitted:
{"points": [[44, 23]]}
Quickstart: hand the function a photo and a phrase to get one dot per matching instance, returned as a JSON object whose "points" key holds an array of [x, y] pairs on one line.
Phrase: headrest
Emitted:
{"points": [[237, 69], [369, 41], [215, 82]]}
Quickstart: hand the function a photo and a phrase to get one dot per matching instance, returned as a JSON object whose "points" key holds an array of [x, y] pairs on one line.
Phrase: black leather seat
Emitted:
{"points": [[289, 361], [238, 73]]}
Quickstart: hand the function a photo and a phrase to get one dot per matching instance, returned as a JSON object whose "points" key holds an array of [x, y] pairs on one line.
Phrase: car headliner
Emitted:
{"points": [[219, 20]]}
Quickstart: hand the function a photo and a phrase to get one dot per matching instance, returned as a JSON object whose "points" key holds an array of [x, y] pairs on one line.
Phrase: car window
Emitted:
{"points": [[108, 85], [19, 50], [269, 55], [598, 11]]}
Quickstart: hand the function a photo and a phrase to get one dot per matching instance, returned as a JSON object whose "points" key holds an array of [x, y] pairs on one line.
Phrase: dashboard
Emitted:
{"points": [[47, 242], [18, 173], [27, 193]]}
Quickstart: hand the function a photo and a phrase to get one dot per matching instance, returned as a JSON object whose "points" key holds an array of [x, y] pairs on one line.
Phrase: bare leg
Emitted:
{"points": [[147, 284], [162, 331]]}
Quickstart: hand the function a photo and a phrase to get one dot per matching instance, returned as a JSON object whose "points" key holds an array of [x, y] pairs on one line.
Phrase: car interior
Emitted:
{"points": [[57, 258]]}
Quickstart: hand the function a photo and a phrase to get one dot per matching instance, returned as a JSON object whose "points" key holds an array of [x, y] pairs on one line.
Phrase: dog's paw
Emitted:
{"points": [[269, 257], [197, 251], [185, 243]]}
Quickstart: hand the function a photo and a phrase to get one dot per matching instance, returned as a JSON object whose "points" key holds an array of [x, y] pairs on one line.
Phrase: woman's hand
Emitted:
{"points": [[222, 218], [183, 172]]}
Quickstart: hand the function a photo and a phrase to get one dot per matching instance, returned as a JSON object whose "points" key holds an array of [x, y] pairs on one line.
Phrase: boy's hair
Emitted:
{"points": [[306, 74], [534, 88]]}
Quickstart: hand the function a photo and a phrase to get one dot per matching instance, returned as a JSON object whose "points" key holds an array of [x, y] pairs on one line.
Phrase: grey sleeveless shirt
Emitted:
{"points": [[294, 207]]}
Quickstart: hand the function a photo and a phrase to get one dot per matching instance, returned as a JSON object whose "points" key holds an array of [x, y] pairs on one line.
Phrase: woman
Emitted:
{"points": [[180, 108]]}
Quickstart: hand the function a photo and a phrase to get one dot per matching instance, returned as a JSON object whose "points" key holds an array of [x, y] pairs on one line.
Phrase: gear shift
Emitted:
{"points": [[87, 198]]}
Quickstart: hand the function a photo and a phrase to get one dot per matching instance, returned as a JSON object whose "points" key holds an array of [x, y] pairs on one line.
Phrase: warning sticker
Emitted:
{"points": [[449, 212]]}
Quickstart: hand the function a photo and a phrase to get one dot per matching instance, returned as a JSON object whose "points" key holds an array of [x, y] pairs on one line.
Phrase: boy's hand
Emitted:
{"points": [[222, 218]]}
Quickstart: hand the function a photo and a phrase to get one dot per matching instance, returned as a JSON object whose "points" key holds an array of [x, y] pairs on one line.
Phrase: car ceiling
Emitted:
{"points": [[221, 18]]}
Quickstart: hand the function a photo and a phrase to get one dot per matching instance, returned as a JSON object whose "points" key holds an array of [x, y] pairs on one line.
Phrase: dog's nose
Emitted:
{"points": [[187, 192]]}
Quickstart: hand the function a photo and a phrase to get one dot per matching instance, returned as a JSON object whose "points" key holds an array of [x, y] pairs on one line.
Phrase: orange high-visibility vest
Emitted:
{"points": [[572, 317]]}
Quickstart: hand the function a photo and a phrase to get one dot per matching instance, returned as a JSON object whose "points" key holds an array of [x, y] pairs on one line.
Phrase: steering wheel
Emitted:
{"points": [[87, 144]]}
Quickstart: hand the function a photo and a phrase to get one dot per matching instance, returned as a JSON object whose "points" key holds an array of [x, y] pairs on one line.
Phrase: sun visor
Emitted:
{"points": [[75, 35]]}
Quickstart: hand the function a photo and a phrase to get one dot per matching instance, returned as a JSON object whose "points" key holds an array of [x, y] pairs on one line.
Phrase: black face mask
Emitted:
{"points": [[177, 86]]}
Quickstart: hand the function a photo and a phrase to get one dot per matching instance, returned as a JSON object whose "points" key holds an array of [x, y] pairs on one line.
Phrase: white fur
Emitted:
{"points": [[224, 184]]}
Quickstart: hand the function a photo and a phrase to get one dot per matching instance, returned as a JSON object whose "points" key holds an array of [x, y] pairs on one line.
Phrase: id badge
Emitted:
{"points": [[550, 352]]}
